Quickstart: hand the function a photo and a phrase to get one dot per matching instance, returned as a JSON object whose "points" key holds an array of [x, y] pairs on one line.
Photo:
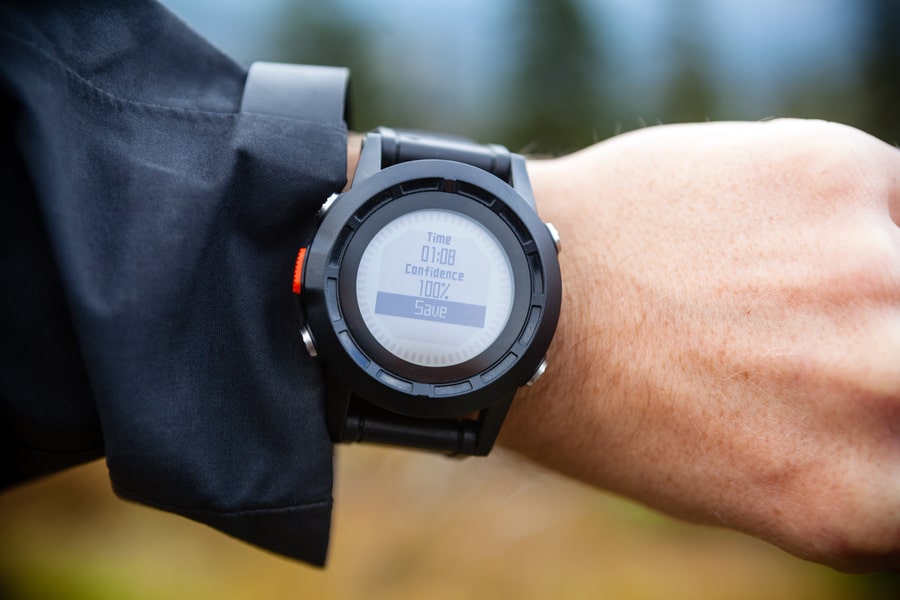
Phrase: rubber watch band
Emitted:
{"points": [[398, 146]]}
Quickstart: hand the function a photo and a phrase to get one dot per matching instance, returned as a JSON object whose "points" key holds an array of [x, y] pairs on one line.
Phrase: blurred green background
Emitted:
{"points": [[541, 76], [555, 75]]}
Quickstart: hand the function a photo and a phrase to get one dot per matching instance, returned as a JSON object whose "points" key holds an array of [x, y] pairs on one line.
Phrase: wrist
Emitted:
{"points": [[540, 420], [354, 145]]}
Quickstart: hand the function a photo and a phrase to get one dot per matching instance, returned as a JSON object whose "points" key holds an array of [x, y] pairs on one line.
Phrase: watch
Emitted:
{"points": [[430, 292]]}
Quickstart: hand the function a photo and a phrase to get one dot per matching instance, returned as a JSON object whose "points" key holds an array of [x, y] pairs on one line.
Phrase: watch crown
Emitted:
{"points": [[538, 372], [554, 234], [308, 340]]}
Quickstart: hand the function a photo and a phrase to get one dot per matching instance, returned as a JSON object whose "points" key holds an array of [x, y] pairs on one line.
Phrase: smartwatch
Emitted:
{"points": [[430, 292]]}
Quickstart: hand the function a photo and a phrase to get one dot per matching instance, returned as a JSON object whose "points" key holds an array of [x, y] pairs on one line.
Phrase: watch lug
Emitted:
{"points": [[490, 420], [520, 181], [369, 158]]}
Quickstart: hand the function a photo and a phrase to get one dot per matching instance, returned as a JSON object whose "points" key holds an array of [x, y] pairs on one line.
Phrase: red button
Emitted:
{"points": [[298, 270]]}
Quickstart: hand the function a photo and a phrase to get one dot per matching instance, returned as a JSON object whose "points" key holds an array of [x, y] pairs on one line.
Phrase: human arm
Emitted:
{"points": [[730, 332]]}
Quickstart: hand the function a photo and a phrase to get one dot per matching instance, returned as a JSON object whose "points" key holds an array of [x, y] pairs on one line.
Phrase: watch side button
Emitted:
{"points": [[308, 341], [538, 372], [298, 270]]}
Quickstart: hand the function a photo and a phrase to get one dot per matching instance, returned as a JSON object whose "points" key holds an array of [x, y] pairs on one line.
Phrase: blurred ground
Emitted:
{"points": [[405, 526]]}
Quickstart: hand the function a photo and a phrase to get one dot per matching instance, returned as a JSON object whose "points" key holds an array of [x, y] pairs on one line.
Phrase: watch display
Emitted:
{"points": [[434, 287]]}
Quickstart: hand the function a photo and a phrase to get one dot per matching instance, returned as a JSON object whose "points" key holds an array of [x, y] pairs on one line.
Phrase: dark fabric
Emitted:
{"points": [[148, 240]]}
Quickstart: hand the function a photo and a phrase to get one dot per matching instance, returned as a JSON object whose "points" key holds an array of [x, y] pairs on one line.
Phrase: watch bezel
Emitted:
{"points": [[343, 341], [442, 200]]}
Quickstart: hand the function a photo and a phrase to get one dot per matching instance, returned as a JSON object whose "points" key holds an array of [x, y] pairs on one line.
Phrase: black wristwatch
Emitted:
{"points": [[430, 291]]}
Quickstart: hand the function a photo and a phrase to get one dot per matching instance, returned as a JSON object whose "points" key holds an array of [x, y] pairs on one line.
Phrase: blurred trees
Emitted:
{"points": [[880, 69], [551, 86], [690, 91], [556, 89]]}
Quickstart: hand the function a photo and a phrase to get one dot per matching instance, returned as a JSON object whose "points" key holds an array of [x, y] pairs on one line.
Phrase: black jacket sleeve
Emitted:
{"points": [[147, 243]]}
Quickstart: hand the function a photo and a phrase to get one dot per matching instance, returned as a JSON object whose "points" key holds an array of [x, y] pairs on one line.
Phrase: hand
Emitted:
{"points": [[729, 348]]}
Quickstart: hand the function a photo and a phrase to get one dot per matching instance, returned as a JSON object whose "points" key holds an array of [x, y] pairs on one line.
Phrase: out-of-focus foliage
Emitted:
{"points": [[554, 79], [556, 90], [880, 69]]}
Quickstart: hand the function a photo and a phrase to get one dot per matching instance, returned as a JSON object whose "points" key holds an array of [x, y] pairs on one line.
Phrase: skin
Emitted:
{"points": [[729, 345]]}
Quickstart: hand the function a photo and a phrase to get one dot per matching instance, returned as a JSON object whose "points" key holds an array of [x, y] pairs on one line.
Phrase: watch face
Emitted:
{"points": [[435, 287]]}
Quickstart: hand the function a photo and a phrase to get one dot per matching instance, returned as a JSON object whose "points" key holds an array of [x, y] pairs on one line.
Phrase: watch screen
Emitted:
{"points": [[434, 287]]}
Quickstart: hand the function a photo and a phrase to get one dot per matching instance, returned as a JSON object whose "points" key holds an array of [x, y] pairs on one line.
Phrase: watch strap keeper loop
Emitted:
{"points": [[307, 92]]}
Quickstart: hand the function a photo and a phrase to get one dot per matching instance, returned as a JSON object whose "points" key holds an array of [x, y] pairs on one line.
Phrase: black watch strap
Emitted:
{"points": [[463, 436], [366, 422], [398, 146]]}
